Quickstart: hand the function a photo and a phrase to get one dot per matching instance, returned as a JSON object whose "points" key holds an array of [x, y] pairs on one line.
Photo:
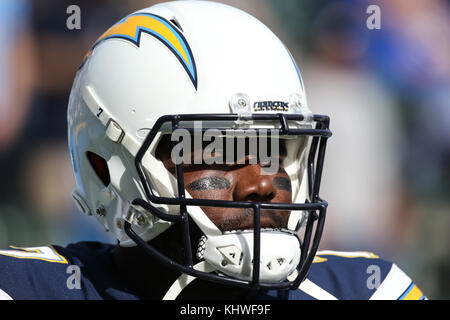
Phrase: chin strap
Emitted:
{"points": [[185, 279]]}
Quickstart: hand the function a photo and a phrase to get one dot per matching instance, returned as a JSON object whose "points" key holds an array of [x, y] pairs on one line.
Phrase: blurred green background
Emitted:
{"points": [[387, 91]]}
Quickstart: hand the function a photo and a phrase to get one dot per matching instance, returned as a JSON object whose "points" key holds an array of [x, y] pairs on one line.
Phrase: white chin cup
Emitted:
{"points": [[232, 254]]}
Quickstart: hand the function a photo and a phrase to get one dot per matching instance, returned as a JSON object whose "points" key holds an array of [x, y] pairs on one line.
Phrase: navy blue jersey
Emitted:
{"points": [[85, 271], [79, 271]]}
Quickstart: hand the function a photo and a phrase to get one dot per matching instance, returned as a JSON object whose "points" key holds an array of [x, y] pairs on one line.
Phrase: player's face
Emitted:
{"points": [[237, 182]]}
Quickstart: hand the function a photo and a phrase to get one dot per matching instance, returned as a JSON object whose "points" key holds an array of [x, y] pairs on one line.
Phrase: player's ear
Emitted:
{"points": [[100, 167]]}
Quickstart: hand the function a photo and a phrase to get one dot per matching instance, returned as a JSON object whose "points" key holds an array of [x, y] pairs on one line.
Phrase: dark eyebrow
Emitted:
{"points": [[209, 183], [282, 183]]}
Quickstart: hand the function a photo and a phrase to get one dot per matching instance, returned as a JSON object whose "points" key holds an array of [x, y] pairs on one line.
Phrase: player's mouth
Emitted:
{"points": [[244, 220]]}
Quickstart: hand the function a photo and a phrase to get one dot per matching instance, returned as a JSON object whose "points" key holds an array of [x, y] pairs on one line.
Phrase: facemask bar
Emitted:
{"points": [[320, 135]]}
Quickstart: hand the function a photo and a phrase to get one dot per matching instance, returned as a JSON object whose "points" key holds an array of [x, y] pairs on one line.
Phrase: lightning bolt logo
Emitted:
{"points": [[131, 28]]}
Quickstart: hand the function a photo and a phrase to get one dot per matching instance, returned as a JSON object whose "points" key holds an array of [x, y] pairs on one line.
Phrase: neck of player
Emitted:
{"points": [[149, 279]]}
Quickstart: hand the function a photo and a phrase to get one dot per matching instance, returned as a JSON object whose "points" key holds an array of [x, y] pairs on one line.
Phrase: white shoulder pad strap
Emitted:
{"points": [[396, 285], [184, 280], [4, 295], [315, 291]]}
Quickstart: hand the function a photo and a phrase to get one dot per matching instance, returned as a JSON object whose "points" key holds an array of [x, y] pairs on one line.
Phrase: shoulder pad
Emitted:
{"points": [[357, 275]]}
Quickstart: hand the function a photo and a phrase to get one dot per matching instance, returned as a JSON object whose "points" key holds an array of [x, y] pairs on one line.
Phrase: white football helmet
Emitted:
{"points": [[171, 66]]}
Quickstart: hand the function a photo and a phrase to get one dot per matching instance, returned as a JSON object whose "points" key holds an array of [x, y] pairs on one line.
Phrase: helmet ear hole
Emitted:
{"points": [[100, 167]]}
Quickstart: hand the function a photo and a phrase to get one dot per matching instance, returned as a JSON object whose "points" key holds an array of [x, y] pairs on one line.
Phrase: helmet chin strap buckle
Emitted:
{"points": [[81, 202], [138, 216], [231, 254], [297, 104], [240, 104]]}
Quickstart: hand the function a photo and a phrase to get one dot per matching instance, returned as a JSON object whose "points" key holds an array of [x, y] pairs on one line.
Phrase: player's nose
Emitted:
{"points": [[253, 185]]}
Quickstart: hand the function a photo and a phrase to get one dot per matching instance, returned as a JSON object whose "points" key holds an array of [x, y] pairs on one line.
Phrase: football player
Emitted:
{"points": [[192, 142]]}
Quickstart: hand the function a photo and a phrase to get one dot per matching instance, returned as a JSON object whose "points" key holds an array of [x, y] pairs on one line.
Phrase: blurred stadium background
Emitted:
{"points": [[387, 91]]}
